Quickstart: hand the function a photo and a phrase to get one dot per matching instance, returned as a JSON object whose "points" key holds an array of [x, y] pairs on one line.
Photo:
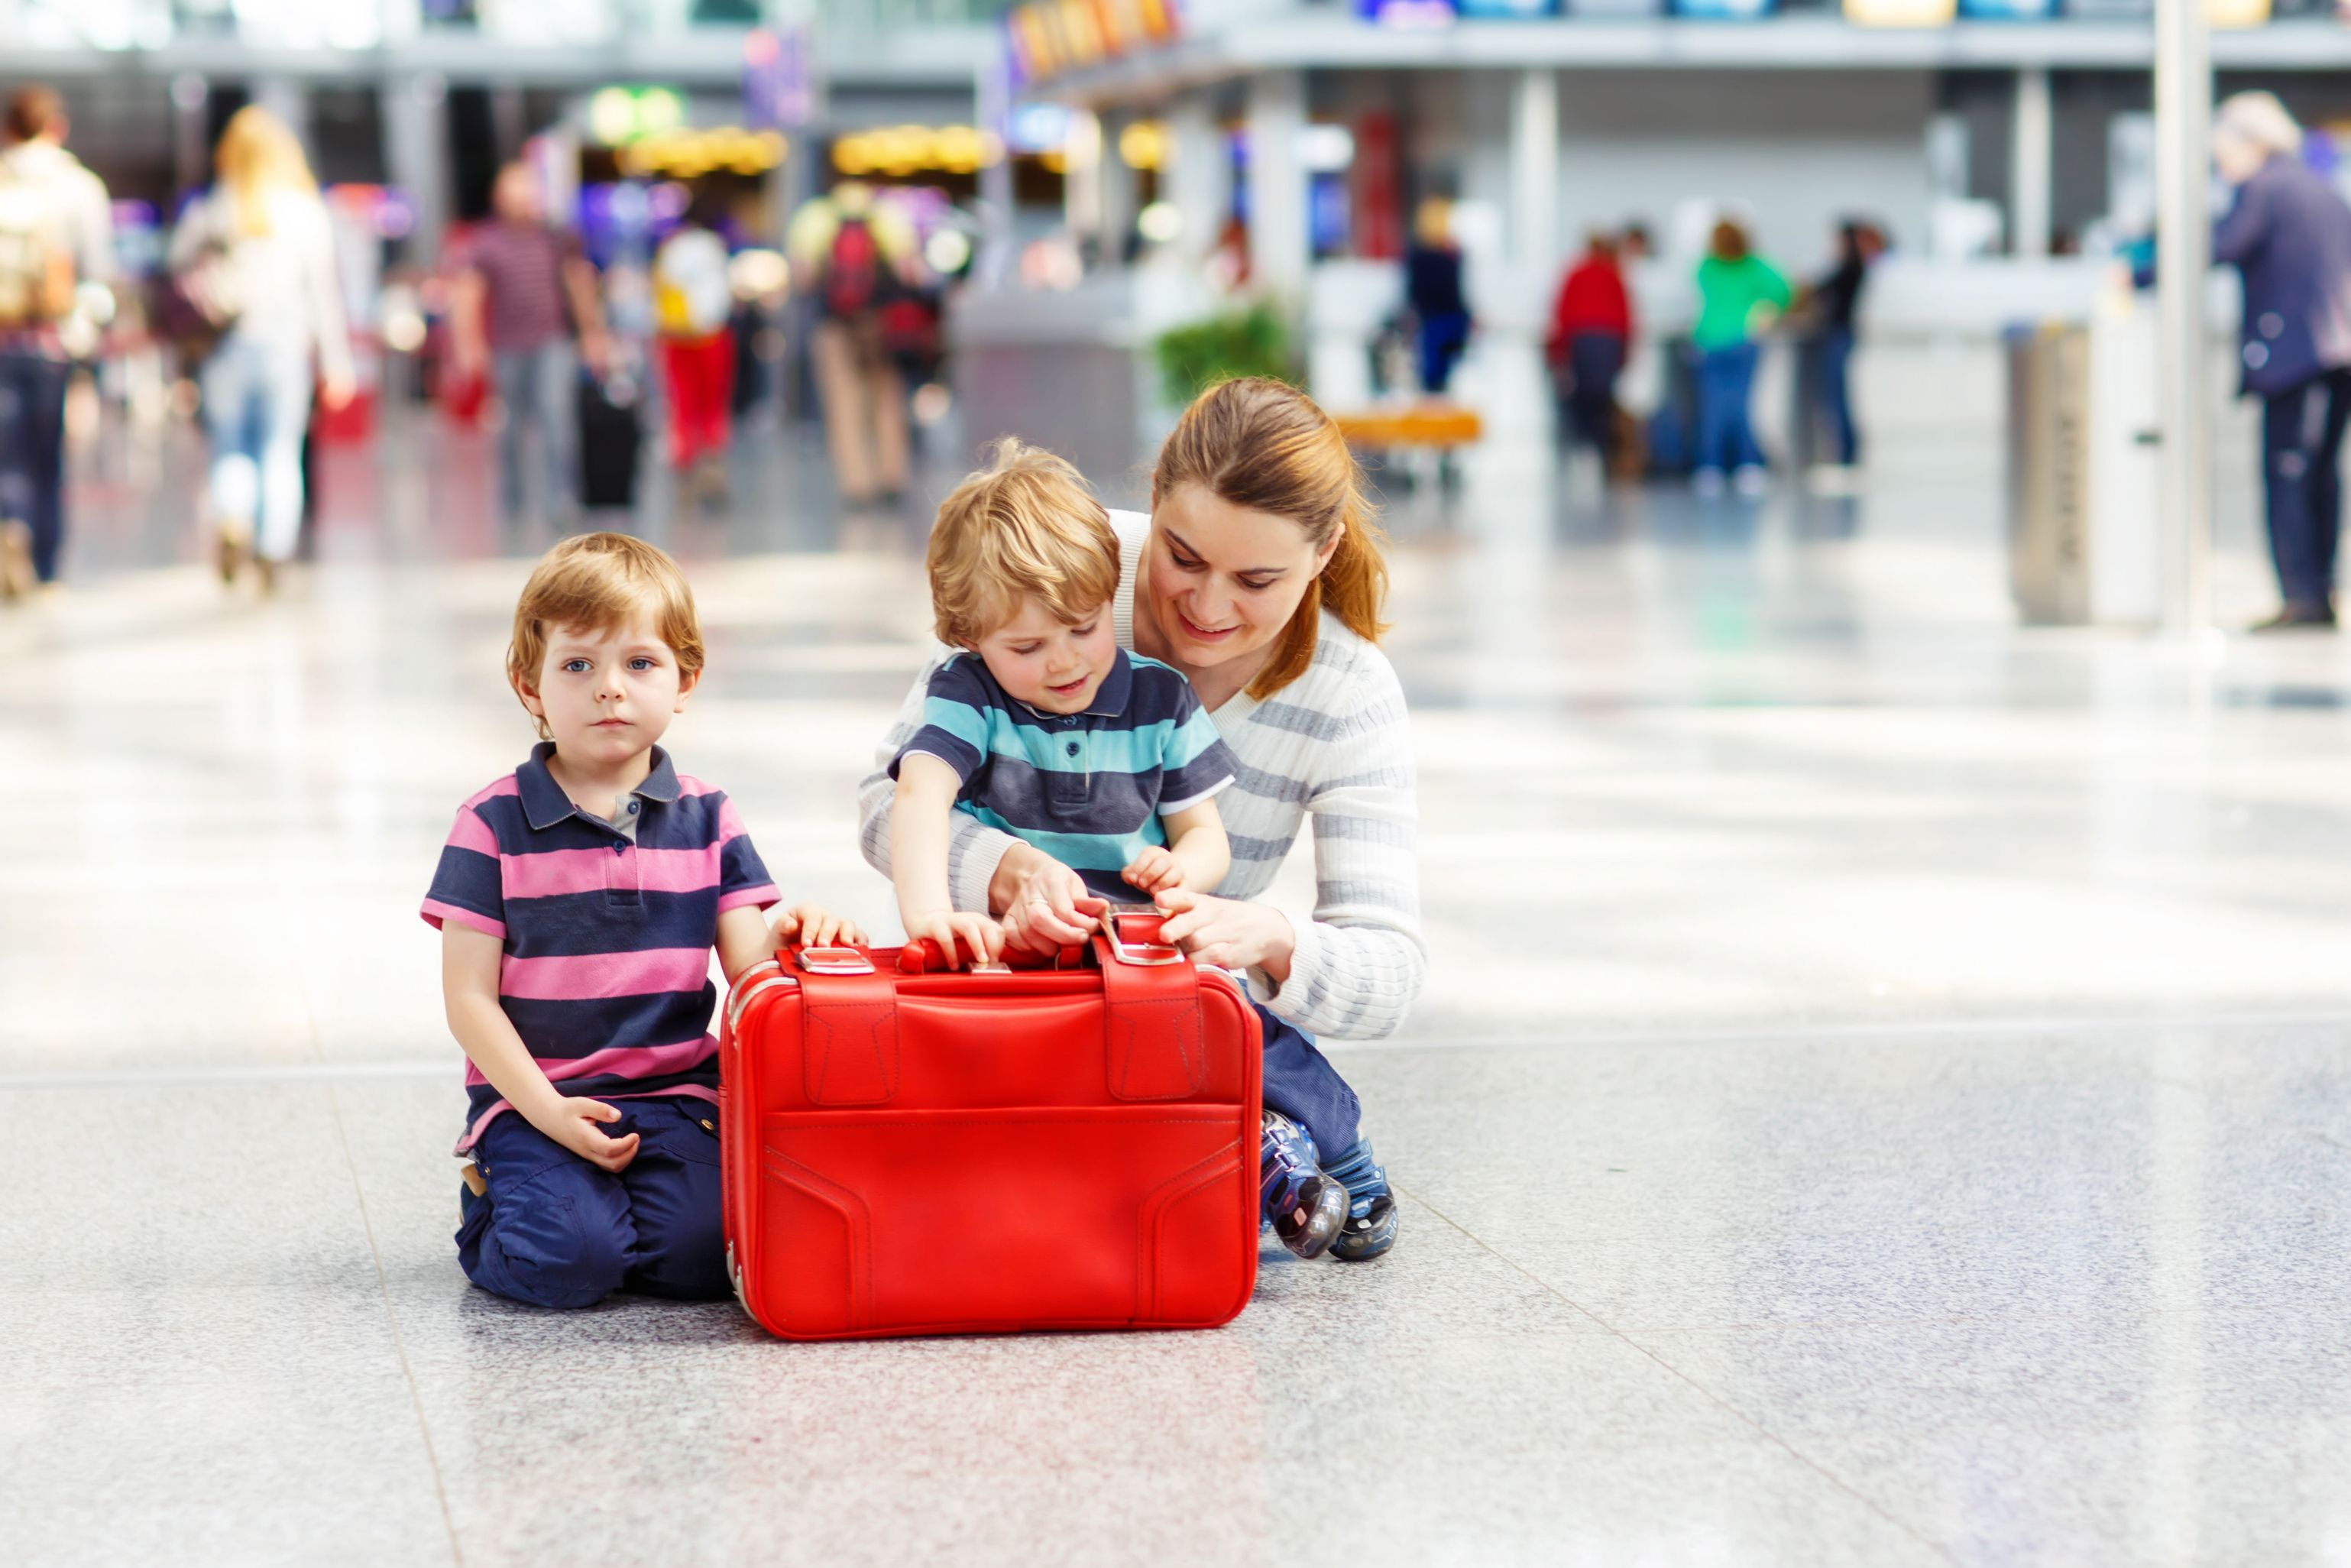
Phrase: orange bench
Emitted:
{"points": [[1443, 425]]}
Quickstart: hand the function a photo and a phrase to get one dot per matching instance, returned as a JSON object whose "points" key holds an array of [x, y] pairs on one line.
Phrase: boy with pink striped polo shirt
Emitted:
{"points": [[578, 901]]}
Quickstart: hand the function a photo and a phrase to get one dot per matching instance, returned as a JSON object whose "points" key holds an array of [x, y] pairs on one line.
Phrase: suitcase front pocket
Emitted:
{"points": [[946, 1221]]}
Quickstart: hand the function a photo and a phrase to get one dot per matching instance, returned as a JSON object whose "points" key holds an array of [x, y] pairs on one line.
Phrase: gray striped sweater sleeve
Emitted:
{"points": [[1347, 760]]}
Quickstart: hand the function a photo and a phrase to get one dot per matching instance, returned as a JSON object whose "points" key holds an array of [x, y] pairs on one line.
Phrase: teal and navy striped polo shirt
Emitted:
{"points": [[1089, 788]]}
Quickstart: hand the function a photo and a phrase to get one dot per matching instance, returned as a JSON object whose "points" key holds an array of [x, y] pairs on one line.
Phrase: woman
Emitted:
{"points": [[1834, 303], [1739, 295], [255, 254], [694, 312], [1433, 290], [1592, 323], [1258, 575], [2289, 234]]}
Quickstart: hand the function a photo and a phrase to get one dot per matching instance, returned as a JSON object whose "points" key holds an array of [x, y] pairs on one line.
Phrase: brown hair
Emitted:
{"points": [[594, 582], [1259, 444], [32, 111], [1730, 242], [1024, 526]]}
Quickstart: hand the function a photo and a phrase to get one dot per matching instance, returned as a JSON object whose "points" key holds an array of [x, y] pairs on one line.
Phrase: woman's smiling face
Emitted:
{"points": [[1223, 581]]}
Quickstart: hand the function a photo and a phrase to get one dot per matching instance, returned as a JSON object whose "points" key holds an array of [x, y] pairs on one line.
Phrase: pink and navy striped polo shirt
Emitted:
{"points": [[607, 929]]}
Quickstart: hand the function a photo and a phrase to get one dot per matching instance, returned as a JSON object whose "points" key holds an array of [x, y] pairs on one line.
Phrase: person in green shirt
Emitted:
{"points": [[1739, 295]]}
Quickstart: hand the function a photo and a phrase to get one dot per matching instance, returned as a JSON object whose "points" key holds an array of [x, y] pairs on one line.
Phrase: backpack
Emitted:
{"points": [[36, 272], [852, 277]]}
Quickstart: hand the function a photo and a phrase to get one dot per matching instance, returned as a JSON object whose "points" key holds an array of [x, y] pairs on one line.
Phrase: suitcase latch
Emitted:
{"points": [[834, 961]]}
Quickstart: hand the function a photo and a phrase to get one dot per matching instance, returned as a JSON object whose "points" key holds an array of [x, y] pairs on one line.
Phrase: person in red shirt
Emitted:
{"points": [[1591, 324]]}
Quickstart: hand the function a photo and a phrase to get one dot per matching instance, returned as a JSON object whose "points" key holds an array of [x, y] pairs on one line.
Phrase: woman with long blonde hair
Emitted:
{"points": [[1259, 575], [257, 256]]}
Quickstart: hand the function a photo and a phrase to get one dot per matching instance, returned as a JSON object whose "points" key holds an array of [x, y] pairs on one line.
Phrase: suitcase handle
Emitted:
{"points": [[928, 957]]}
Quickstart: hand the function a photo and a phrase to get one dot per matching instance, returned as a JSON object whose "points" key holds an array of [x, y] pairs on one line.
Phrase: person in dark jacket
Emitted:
{"points": [[1832, 304], [2289, 234], [1592, 323], [1433, 290]]}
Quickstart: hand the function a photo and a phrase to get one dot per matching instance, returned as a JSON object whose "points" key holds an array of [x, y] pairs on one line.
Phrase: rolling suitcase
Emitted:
{"points": [[611, 436], [915, 1151]]}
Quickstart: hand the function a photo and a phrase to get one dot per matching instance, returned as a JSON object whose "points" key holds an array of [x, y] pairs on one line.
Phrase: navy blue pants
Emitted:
{"points": [[32, 450], [1300, 1083], [1835, 348], [556, 1231], [2302, 442]]}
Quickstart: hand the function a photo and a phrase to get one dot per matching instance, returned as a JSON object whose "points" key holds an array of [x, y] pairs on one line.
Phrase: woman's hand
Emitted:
{"points": [[336, 391], [1043, 903], [574, 1124], [814, 925], [1230, 932]]}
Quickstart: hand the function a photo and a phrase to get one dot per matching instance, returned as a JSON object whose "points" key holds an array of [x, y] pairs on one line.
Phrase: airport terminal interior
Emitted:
{"points": [[1881, 1092]]}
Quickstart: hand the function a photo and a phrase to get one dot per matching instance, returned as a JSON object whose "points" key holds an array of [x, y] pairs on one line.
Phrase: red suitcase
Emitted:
{"points": [[912, 1153]]}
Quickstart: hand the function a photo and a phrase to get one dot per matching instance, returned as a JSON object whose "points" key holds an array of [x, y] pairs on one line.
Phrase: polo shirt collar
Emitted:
{"points": [[1109, 698], [544, 803]]}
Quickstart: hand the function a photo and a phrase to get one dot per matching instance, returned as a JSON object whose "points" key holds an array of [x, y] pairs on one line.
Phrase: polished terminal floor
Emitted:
{"points": [[1883, 1095]]}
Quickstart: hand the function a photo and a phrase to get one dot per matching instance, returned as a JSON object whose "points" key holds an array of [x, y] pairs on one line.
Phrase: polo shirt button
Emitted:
{"points": [[619, 849], [1073, 748], [632, 808]]}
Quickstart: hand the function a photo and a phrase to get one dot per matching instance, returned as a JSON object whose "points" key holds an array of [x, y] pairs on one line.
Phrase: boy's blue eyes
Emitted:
{"points": [[582, 666]]}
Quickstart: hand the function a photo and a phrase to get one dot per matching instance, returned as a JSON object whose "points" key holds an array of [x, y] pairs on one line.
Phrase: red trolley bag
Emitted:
{"points": [[919, 1153]]}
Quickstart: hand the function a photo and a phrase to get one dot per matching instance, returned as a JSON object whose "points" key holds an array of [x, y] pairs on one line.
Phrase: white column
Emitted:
{"points": [[1117, 185], [416, 151], [2183, 227], [992, 112], [1278, 246], [2031, 149], [1082, 154], [1199, 174], [1535, 175]]}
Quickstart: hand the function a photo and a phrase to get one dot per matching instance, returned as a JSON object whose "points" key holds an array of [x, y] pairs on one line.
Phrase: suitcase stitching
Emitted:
{"points": [[873, 1015], [1156, 1215], [861, 1225]]}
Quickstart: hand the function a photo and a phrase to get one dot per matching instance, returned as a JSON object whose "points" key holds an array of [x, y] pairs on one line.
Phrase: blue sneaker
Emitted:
{"points": [[1371, 1213], [1306, 1207]]}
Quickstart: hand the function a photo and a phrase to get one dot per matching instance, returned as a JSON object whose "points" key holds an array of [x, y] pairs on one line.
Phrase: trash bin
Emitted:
{"points": [[2081, 442]]}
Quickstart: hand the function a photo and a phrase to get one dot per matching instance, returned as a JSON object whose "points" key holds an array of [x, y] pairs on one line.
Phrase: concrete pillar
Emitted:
{"points": [[1199, 175], [1081, 191], [192, 154], [1278, 246], [1535, 175], [2183, 227], [992, 113], [416, 153], [1118, 190], [2031, 151]]}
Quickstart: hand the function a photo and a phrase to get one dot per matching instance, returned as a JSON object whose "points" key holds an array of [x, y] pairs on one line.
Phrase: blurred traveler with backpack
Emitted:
{"points": [[523, 288], [1592, 323], [2289, 234], [694, 314], [57, 231], [849, 251], [1740, 295], [256, 253]]}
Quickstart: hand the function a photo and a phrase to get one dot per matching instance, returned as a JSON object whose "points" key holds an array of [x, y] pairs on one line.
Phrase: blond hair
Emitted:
{"points": [[1026, 525], [595, 583], [256, 156], [2259, 119], [1267, 447]]}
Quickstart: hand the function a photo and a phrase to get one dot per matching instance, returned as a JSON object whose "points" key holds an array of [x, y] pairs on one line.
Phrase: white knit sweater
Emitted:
{"points": [[1333, 745]]}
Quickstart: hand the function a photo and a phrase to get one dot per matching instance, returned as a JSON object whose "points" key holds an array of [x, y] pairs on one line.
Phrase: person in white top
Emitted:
{"points": [[257, 251], [694, 309], [1258, 575], [68, 205]]}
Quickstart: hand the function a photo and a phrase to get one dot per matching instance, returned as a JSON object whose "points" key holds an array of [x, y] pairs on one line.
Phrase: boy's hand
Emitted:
{"points": [[1156, 870], [813, 926], [980, 936], [573, 1123]]}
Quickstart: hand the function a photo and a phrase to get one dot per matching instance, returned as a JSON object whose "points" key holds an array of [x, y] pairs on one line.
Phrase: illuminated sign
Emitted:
{"points": [[1900, 13], [1048, 36]]}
